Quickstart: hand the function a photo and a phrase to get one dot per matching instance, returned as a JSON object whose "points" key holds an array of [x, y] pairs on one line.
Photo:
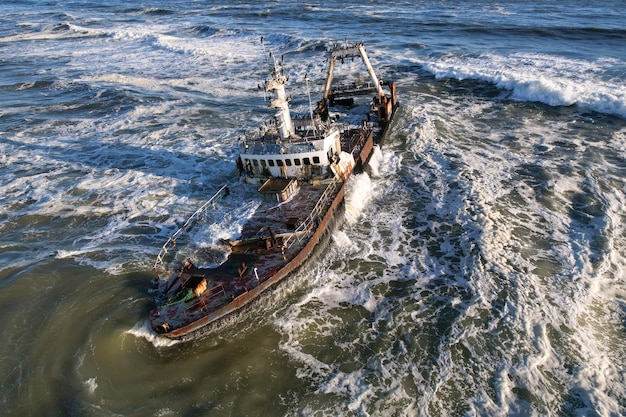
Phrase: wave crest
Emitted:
{"points": [[552, 80]]}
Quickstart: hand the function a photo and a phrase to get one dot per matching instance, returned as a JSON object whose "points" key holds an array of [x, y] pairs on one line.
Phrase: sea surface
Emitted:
{"points": [[480, 269]]}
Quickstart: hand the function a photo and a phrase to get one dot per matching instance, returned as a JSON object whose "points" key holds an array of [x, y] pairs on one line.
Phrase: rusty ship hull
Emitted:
{"points": [[303, 187]]}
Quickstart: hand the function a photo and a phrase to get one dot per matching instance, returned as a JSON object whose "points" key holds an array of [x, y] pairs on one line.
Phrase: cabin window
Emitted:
{"points": [[271, 162], [255, 162], [263, 164], [297, 162], [247, 162], [316, 159], [306, 161], [288, 162], [279, 162]]}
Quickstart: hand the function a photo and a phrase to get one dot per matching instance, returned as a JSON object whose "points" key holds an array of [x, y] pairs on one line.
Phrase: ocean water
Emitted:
{"points": [[480, 269]]}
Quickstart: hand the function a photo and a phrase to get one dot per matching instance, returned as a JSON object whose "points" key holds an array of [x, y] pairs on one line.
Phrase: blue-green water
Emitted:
{"points": [[481, 267]]}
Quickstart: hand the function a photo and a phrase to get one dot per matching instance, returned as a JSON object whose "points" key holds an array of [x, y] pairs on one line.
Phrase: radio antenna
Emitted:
{"points": [[308, 91]]}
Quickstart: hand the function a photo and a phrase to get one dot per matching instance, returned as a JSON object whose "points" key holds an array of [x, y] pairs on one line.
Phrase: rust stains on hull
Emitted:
{"points": [[252, 294], [302, 166]]}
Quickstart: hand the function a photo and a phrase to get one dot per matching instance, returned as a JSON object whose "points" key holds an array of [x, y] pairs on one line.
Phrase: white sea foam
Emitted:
{"points": [[50, 34], [165, 412], [458, 279], [358, 193], [540, 304], [490, 243], [548, 79], [91, 384], [343, 241], [142, 330]]}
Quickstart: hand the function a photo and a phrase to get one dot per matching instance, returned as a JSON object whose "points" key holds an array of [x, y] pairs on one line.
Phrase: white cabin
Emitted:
{"points": [[299, 157]]}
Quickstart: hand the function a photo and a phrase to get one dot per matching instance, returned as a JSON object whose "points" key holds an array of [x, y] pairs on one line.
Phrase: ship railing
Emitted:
{"points": [[171, 242], [210, 294], [309, 224]]}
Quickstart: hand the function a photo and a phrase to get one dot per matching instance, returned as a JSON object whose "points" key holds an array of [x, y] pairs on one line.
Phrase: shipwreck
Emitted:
{"points": [[300, 165]]}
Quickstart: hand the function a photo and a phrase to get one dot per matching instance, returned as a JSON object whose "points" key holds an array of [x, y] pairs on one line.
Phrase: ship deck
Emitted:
{"points": [[285, 229], [274, 235]]}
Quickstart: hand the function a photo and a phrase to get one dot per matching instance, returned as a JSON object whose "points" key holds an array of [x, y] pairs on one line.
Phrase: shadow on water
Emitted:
{"points": [[55, 315]]}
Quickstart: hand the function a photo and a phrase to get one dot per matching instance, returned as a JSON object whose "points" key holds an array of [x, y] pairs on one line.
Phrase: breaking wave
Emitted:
{"points": [[552, 80]]}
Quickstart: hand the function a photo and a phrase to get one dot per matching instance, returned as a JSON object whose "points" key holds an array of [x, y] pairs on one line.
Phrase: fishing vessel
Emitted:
{"points": [[299, 165]]}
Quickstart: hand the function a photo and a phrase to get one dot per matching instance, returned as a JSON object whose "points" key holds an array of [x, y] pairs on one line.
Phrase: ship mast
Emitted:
{"points": [[357, 50], [384, 104], [279, 101]]}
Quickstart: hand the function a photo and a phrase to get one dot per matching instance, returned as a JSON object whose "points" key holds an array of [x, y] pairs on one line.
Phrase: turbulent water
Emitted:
{"points": [[480, 269]]}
